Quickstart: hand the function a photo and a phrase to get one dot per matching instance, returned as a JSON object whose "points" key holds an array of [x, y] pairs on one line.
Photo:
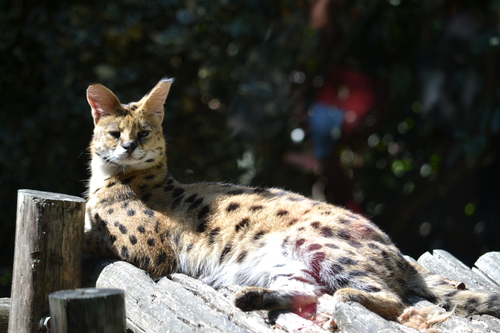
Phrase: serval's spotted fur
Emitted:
{"points": [[286, 248]]}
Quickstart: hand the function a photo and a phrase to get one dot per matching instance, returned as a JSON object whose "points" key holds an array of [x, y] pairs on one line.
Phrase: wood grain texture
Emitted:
{"points": [[47, 255], [87, 311]]}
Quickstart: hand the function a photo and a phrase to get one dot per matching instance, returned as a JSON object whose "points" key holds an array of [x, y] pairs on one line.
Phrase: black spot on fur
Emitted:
{"points": [[315, 224], [151, 242], [189, 247], [127, 180], [332, 246], [149, 212], [141, 229], [132, 239], [259, 235], [111, 184], [493, 300], [146, 197], [243, 223], [168, 188], [125, 204], [110, 211], [130, 212], [143, 186], [341, 281], [191, 198], [344, 221], [236, 192], [373, 246], [112, 238], [314, 247], [122, 228], [355, 244], [357, 273], [402, 264], [232, 206], [336, 268], [344, 234], [125, 196], [177, 192], [347, 261], [202, 226], [300, 242], [195, 204], [241, 257], [256, 207], [202, 214], [104, 202], [149, 177], [385, 255], [326, 232], [124, 252], [177, 201], [157, 225], [369, 288], [150, 160], [451, 294], [170, 181], [224, 253], [161, 258], [282, 212], [212, 235]]}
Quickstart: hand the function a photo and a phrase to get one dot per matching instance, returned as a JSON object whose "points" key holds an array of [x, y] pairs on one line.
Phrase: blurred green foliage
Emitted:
{"points": [[425, 162]]}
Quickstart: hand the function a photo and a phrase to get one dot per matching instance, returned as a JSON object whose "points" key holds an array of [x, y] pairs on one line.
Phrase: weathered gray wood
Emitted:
{"points": [[87, 311], [144, 310], [47, 256], [220, 303], [443, 263], [489, 264], [158, 307], [4, 314], [165, 306], [353, 317]]}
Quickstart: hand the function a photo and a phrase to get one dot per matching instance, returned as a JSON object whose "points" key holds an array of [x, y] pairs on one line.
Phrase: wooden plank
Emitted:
{"points": [[165, 306], [47, 255], [489, 264], [87, 311], [444, 264], [4, 314], [352, 317], [217, 301], [141, 304]]}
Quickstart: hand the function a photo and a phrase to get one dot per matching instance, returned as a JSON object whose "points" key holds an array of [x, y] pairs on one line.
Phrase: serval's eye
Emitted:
{"points": [[142, 134], [115, 134]]}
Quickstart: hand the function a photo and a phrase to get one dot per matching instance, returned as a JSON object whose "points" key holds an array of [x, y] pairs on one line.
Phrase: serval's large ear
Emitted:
{"points": [[102, 101], [152, 102]]}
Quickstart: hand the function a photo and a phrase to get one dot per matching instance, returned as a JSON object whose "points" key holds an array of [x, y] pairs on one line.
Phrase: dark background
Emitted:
{"points": [[425, 162]]}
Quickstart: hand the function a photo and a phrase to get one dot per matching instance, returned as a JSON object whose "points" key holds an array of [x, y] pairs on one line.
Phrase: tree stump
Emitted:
{"points": [[87, 311], [47, 255]]}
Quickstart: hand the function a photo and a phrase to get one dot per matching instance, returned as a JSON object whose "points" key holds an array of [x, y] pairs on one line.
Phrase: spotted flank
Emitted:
{"points": [[284, 248]]}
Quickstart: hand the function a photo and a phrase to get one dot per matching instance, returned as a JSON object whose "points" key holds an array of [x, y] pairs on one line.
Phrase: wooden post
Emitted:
{"points": [[47, 255], [4, 314], [87, 310]]}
